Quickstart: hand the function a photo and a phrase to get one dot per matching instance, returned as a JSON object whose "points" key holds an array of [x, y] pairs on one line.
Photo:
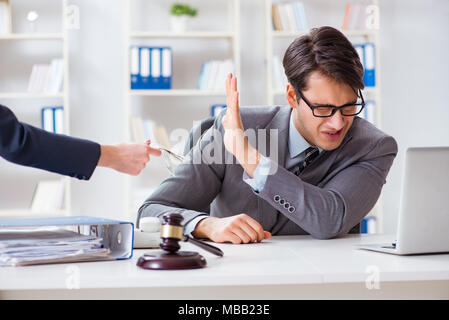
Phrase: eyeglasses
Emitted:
{"points": [[348, 110], [171, 159]]}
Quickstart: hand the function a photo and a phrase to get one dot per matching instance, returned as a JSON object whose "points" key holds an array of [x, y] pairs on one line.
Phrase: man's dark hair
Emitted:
{"points": [[326, 50]]}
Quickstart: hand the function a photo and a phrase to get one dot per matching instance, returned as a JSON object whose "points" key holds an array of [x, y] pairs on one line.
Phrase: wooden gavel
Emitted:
{"points": [[172, 233]]}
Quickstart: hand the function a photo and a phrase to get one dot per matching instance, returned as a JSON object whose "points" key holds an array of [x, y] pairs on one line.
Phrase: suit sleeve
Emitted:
{"points": [[332, 209], [194, 184], [26, 145]]}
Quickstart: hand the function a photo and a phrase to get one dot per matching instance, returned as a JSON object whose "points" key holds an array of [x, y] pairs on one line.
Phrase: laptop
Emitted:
{"points": [[423, 225]]}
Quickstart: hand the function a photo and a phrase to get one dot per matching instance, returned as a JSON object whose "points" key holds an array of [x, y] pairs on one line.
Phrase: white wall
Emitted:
{"points": [[414, 87], [415, 95]]}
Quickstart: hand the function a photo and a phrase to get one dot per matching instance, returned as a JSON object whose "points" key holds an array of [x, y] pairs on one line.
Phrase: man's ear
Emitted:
{"points": [[291, 96]]}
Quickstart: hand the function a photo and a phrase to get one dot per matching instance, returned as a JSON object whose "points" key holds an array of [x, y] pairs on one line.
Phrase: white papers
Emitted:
{"points": [[47, 78], [48, 245], [213, 74]]}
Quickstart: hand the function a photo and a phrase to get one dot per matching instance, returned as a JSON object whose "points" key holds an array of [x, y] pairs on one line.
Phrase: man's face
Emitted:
{"points": [[326, 133]]}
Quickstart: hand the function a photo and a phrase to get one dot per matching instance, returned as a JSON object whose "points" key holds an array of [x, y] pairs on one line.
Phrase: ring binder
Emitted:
{"points": [[116, 236]]}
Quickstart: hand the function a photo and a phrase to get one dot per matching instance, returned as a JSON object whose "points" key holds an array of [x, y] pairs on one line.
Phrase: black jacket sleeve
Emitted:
{"points": [[26, 145]]}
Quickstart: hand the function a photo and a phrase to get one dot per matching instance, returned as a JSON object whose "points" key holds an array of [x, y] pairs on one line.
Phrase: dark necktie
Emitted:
{"points": [[311, 154]]}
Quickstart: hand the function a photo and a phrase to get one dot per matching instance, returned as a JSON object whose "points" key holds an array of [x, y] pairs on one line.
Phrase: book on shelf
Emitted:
{"points": [[52, 119], [360, 16], [367, 55], [145, 129], [213, 74], [5, 17], [289, 16], [151, 67], [47, 78], [279, 78]]}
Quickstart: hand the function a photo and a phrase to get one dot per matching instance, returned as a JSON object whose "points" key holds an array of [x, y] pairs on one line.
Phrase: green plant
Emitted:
{"points": [[179, 9]]}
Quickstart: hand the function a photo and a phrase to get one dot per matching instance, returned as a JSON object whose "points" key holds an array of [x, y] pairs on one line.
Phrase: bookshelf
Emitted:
{"points": [[9, 98], [274, 37], [137, 36]]}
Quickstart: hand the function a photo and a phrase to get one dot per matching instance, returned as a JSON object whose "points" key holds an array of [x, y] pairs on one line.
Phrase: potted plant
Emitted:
{"points": [[179, 14]]}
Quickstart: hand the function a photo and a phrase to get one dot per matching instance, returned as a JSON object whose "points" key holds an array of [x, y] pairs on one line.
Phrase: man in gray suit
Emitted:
{"points": [[324, 170]]}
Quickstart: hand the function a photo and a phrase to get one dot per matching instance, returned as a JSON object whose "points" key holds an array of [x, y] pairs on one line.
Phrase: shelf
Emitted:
{"points": [[189, 34], [176, 93], [30, 95], [31, 36], [348, 33]]}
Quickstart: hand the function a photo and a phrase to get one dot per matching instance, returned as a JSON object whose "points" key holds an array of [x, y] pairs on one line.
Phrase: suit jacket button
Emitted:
{"points": [[291, 209], [281, 202], [276, 198], [286, 205]]}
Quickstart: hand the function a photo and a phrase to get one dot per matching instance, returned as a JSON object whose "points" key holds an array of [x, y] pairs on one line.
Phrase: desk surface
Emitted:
{"points": [[281, 262]]}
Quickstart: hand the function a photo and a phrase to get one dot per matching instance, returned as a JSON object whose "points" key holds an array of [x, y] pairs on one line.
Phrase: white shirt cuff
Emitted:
{"points": [[260, 174], [191, 225]]}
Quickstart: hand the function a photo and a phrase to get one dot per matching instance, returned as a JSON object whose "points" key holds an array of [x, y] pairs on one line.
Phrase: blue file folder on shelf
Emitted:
{"points": [[135, 67], [150, 67], [370, 65], [114, 238], [369, 225], [52, 119], [367, 57]]}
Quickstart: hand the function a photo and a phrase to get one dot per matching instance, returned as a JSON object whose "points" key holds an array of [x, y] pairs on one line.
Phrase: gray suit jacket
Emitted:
{"points": [[330, 196]]}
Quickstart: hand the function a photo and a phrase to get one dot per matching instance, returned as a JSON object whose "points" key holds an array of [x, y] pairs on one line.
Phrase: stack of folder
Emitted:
{"points": [[49, 245], [151, 67], [64, 239]]}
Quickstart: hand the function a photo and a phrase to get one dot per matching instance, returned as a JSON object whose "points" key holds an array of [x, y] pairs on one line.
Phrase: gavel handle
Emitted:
{"points": [[203, 245]]}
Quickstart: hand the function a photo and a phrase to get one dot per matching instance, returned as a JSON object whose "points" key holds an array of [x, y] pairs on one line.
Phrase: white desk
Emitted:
{"points": [[285, 267]]}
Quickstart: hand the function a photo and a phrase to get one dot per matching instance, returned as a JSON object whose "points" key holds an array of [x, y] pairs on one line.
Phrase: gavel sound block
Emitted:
{"points": [[171, 258]]}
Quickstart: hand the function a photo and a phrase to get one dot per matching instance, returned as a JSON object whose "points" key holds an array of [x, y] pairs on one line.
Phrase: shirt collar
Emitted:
{"points": [[296, 143]]}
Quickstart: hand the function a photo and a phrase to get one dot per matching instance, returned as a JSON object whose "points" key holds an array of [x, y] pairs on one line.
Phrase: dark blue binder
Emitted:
{"points": [[151, 68]]}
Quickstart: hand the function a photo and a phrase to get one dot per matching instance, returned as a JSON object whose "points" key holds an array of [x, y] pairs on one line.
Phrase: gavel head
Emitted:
{"points": [[171, 232]]}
